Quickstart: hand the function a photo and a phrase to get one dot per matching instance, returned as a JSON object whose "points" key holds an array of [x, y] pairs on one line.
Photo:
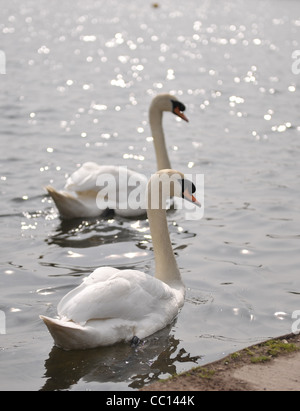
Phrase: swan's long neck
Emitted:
{"points": [[162, 158], [166, 268]]}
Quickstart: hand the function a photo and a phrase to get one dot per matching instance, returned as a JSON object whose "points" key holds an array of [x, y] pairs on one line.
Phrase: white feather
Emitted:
{"points": [[113, 305]]}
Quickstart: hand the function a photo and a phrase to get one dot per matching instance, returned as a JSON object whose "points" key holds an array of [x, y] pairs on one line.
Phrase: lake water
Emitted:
{"points": [[79, 80]]}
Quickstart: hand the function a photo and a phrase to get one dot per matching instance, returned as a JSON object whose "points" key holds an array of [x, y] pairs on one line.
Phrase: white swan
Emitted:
{"points": [[82, 196], [114, 305]]}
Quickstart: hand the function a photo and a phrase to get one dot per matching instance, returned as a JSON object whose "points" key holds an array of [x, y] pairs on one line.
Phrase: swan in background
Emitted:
{"points": [[114, 305], [81, 195]]}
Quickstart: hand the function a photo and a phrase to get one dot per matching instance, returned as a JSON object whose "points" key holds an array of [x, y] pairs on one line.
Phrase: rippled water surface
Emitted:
{"points": [[79, 80]]}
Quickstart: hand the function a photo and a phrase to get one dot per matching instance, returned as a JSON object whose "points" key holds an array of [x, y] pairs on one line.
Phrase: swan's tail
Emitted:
{"points": [[96, 333], [66, 334], [71, 207]]}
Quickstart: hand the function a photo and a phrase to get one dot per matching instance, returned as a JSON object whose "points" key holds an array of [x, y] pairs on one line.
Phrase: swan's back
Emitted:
{"points": [[124, 294], [114, 305], [85, 178], [92, 189], [90, 176]]}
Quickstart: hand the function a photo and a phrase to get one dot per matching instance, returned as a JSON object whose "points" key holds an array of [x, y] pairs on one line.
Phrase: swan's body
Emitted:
{"points": [[113, 305], [82, 196], [79, 199]]}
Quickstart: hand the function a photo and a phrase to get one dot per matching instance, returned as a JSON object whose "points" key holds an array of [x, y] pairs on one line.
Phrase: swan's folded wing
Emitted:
{"points": [[85, 178], [129, 295], [91, 176]]}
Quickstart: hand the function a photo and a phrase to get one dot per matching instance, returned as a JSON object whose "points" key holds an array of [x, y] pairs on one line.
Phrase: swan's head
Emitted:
{"points": [[168, 102], [183, 188], [170, 183]]}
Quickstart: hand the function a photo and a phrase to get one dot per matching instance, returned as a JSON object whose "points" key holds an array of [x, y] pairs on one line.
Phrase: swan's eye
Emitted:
{"points": [[178, 105], [188, 186], [178, 109], [188, 190]]}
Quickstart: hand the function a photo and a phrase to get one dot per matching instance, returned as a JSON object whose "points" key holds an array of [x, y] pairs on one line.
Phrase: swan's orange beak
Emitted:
{"points": [[191, 198], [180, 114]]}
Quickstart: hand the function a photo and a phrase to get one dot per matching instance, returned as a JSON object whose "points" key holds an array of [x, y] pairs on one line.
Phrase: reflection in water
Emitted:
{"points": [[123, 243], [158, 355], [93, 232]]}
